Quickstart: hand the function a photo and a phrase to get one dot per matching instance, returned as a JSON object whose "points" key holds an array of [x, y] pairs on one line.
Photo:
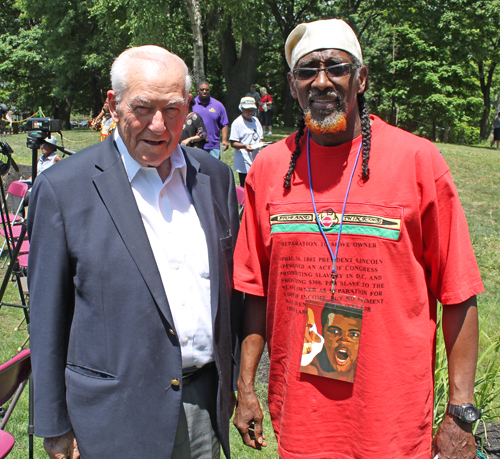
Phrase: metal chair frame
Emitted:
{"points": [[14, 375]]}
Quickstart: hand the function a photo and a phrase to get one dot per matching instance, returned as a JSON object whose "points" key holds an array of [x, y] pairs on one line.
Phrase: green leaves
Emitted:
{"points": [[487, 384]]}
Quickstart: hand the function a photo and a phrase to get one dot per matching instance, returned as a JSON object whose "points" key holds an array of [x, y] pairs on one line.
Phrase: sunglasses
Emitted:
{"points": [[334, 71], [204, 90]]}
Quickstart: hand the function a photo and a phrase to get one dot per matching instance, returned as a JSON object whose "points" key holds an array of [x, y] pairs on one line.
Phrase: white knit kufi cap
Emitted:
{"points": [[326, 34]]}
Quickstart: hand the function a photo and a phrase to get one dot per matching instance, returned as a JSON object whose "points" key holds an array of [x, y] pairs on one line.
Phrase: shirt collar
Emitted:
{"points": [[133, 167], [203, 103]]}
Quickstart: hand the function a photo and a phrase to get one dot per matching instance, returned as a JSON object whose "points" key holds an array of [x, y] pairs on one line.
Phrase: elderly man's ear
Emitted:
{"points": [[113, 105]]}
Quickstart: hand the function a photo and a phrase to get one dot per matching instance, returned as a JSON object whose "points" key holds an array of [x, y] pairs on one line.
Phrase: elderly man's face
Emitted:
{"points": [[152, 111], [329, 103]]}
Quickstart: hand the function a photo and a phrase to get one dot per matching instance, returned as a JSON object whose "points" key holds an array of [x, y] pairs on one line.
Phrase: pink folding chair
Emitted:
{"points": [[18, 190], [16, 232], [14, 375], [11, 231], [23, 260], [240, 195]]}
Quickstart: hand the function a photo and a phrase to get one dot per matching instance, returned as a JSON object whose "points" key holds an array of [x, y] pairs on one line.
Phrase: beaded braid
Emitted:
{"points": [[365, 130], [301, 126]]}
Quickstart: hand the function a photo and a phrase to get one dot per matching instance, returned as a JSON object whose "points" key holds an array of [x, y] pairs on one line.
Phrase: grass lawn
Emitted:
{"points": [[476, 171]]}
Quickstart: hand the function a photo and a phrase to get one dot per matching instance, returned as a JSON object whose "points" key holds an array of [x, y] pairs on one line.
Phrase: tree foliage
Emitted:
{"points": [[433, 64]]}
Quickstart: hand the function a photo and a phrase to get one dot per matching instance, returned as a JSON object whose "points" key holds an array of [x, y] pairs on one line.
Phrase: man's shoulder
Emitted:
{"points": [[217, 103], [276, 154], [238, 121], [380, 127], [84, 161], [208, 164], [400, 148]]}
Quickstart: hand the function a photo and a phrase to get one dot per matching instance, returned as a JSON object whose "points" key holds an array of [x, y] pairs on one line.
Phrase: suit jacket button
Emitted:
{"points": [[174, 382], [171, 331]]}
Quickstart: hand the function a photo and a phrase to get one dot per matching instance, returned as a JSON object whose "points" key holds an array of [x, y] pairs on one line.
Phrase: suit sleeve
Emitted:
{"points": [[51, 303], [236, 296]]}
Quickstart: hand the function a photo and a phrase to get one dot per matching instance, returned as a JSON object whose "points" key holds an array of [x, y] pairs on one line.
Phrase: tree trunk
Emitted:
{"points": [[97, 101], [287, 17], [485, 82], [239, 67], [62, 111], [193, 8]]}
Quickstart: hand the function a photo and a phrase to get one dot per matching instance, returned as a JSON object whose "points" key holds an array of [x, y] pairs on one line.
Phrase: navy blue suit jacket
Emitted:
{"points": [[103, 342]]}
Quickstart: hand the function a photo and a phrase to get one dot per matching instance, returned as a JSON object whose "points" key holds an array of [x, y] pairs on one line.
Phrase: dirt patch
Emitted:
{"points": [[489, 443]]}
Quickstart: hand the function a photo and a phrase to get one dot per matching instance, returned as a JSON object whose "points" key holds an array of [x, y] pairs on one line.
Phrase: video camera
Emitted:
{"points": [[39, 129], [6, 150]]}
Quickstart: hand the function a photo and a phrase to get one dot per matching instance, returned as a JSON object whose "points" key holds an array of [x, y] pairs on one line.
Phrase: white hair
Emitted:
{"points": [[156, 55]]}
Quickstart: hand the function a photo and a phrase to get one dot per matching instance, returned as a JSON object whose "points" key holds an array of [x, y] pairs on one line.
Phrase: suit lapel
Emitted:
{"points": [[114, 188], [199, 187]]}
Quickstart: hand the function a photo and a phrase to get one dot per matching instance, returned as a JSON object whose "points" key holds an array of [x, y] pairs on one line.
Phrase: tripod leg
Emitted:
{"points": [[19, 324], [31, 418], [19, 349]]}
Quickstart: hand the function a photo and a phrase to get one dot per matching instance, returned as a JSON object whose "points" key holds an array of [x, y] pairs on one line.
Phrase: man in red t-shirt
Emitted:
{"points": [[394, 234]]}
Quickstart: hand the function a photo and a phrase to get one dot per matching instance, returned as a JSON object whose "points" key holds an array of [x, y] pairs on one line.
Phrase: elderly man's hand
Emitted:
{"points": [[248, 420], [454, 440], [59, 447]]}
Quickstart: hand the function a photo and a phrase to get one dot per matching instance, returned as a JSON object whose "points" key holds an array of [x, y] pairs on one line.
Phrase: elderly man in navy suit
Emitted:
{"points": [[135, 322]]}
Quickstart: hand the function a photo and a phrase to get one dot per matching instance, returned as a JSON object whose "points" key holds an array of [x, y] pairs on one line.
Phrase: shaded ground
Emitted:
{"points": [[24, 171], [491, 446]]}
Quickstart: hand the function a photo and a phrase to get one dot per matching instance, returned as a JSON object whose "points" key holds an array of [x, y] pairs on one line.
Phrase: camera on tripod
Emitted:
{"points": [[39, 129]]}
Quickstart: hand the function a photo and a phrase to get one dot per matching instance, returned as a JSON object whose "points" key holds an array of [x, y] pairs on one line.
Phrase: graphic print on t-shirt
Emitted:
{"points": [[305, 262], [360, 221], [332, 337]]}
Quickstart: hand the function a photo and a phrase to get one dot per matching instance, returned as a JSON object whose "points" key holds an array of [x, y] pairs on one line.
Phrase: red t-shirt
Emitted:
{"points": [[404, 243]]}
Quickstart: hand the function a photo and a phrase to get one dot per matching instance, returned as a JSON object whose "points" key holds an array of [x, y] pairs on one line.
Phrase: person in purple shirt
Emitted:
{"points": [[214, 116]]}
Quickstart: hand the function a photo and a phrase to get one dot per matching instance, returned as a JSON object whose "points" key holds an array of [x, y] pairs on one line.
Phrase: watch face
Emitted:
{"points": [[470, 414]]}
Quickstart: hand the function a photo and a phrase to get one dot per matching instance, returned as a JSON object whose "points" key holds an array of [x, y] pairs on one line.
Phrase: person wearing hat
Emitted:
{"points": [[246, 134], [48, 159], [49, 156], [368, 216]]}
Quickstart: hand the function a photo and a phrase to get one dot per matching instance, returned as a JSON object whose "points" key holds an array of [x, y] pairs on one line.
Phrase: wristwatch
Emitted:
{"points": [[467, 413]]}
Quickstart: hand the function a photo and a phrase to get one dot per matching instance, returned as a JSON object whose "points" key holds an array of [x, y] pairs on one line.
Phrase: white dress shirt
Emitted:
{"points": [[180, 250]]}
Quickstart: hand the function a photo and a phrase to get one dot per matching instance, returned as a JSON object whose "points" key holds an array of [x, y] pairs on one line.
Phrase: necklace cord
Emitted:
{"points": [[320, 225]]}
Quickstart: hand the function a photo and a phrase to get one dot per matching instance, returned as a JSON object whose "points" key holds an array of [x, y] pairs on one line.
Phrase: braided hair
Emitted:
{"points": [[365, 130], [301, 126]]}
